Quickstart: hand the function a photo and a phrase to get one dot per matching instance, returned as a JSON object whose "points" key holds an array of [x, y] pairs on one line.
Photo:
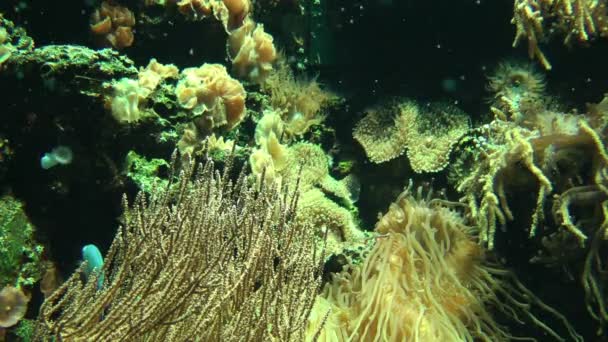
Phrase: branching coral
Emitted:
{"points": [[128, 103], [579, 20], [199, 259], [427, 135], [484, 187], [528, 143]]}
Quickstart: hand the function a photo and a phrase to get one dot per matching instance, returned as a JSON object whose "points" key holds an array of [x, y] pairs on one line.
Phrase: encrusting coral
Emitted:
{"points": [[20, 254], [426, 135], [426, 279]]}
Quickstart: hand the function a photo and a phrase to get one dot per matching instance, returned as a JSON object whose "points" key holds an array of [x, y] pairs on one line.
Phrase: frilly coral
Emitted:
{"points": [[196, 9], [129, 98], [150, 76], [13, 305], [209, 91], [113, 25], [236, 14], [252, 51]]}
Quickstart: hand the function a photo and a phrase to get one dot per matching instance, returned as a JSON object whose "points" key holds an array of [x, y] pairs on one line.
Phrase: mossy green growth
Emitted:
{"points": [[20, 255], [345, 167], [25, 330], [144, 172]]}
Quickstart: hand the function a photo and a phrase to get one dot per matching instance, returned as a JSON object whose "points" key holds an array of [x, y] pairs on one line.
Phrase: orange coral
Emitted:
{"points": [[210, 90], [112, 24]]}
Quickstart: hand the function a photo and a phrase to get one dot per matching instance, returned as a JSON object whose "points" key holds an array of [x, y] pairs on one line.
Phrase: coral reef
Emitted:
{"points": [[306, 166], [300, 102], [528, 143], [308, 118], [129, 98]]}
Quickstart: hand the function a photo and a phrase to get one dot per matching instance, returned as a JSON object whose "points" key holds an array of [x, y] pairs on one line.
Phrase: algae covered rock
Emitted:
{"points": [[20, 255]]}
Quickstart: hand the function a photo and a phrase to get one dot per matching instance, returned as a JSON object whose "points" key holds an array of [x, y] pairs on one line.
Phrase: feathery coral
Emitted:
{"points": [[198, 259]]}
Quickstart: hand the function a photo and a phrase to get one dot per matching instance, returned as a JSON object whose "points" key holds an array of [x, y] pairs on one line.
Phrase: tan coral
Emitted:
{"points": [[270, 122], [210, 92], [196, 9], [113, 24], [252, 51], [326, 217], [128, 101], [237, 12], [306, 166], [427, 136], [151, 76]]}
